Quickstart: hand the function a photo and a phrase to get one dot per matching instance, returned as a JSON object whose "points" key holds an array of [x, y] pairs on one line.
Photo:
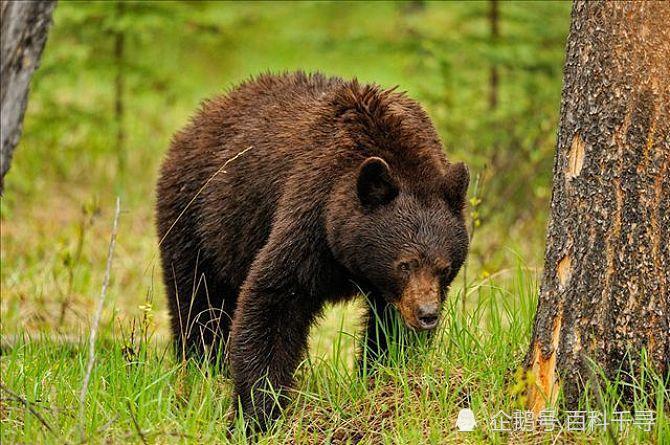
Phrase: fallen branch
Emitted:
{"points": [[29, 405], [136, 424]]}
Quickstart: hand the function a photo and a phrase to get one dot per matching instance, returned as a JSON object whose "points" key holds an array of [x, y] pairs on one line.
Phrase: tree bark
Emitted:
{"points": [[24, 32], [606, 283]]}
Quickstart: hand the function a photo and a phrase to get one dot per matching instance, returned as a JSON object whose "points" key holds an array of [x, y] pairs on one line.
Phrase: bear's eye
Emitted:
{"points": [[405, 266], [444, 270], [408, 265]]}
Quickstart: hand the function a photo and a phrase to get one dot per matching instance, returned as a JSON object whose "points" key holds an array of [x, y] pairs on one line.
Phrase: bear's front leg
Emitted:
{"points": [[268, 341], [380, 325], [385, 330]]}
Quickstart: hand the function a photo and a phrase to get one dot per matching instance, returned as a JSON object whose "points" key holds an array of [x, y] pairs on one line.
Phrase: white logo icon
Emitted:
{"points": [[466, 420]]}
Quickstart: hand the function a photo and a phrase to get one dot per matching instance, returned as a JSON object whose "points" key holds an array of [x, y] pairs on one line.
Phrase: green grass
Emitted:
{"points": [[139, 392]]}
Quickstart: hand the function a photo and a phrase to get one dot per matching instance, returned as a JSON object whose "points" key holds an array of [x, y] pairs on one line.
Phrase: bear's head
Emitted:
{"points": [[402, 238]]}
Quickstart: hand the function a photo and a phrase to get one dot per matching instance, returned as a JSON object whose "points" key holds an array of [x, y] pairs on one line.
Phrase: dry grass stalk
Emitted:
{"points": [[98, 313]]}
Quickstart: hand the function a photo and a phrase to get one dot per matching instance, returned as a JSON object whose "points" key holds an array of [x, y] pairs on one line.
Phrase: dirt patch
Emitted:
{"points": [[381, 408]]}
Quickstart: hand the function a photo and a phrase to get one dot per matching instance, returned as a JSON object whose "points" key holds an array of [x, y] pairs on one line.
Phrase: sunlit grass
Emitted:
{"points": [[139, 392]]}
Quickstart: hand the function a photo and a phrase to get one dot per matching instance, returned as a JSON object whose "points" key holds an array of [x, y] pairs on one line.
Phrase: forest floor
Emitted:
{"points": [[140, 393]]}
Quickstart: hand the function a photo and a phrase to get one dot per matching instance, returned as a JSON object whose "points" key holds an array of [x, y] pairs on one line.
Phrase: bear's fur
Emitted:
{"points": [[292, 191]]}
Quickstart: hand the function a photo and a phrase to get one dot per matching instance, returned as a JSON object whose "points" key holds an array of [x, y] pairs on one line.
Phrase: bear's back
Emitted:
{"points": [[265, 105], [257, 131]]}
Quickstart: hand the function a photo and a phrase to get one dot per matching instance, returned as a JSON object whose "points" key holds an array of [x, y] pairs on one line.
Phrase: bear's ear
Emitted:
{"points": [[456, 183], [375, 186]]}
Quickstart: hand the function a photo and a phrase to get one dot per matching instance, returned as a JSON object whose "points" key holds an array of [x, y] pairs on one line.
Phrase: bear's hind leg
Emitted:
{"points": [[201, 307], [208, 327]]}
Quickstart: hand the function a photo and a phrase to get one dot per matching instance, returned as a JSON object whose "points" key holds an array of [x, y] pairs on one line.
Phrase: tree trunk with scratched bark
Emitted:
{"points": [[24, 32], [606, 285]]}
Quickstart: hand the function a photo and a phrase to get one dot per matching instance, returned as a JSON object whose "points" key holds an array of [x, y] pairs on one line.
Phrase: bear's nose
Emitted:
{"points": [[427, 314]]}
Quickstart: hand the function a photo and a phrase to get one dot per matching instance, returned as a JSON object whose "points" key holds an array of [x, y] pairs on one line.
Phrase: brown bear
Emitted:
{"points": [[292, 191]]}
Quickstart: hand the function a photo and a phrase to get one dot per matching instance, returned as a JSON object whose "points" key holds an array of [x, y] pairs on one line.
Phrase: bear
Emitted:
{"points": [[294, 190]]}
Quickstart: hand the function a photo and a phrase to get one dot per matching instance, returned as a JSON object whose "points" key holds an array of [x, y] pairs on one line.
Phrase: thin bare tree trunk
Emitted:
{"points": [[414, 6], [119, 88], [24, 32], [494, 19], [606, 285]]}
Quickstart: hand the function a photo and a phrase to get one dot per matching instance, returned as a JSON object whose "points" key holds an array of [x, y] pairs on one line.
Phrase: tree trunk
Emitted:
{"points": [[24, 32], [119, 88], [414, 6], [495, 35], [606, 283]]}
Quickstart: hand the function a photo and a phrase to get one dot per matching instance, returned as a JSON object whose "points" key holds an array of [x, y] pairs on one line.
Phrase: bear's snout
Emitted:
{"points": [[427, 315], [419, 304]]}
